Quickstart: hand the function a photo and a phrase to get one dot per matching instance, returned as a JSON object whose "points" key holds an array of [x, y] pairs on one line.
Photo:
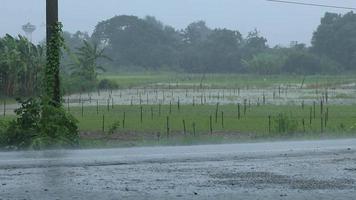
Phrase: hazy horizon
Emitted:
{"points": [[279, 23]]}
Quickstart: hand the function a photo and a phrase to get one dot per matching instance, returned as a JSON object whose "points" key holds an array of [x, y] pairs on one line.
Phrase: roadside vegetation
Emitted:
{"points": [[128, 52], [188, 124]]}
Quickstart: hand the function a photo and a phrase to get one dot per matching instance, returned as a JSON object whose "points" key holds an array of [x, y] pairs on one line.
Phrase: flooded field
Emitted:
{"points": [[276, 95]]}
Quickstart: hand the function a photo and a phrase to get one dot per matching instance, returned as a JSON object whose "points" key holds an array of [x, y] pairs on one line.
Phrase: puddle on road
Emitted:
{"points": [[268, 179]]}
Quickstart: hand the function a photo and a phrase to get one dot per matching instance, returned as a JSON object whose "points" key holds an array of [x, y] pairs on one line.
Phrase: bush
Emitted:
{"points": [[107, 84], [3, 136], [303, 62], [285, 124], [265, 63], [21, 131], [40, 126]]}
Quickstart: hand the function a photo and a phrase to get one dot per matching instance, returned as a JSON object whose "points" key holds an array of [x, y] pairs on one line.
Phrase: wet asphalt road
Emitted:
{"points": [[277, 170]]}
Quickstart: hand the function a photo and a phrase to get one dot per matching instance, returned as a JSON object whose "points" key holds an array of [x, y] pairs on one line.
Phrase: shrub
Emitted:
{"points": [[114, 127], [265, 63], [107, 84], [285, 124], [40, 126], [3, 136], [303, 62], [21, 131]]}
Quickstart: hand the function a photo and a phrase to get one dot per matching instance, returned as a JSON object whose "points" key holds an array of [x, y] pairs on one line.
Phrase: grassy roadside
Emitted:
{"points": [[127, 129], [123, 125], [255, 120]]}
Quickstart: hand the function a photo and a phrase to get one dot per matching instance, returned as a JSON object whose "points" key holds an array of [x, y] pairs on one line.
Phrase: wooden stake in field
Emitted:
{"points": [[194, 129], [141, 111], [245, 108], [310, 116], [222, 119], [211, 124], [82, 109], [103, 124], [124, 120], [314, 108], [184, 128], [269, 123], [168, 128], [326, 117], [97, 107], [238, 111]]}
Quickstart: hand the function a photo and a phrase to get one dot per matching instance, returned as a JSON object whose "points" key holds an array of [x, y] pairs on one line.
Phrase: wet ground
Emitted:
{"points": [[273, 95], [276, 170]]}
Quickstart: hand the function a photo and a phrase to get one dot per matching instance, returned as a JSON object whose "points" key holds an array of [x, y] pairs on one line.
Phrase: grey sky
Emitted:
{"points": [[280, 23]]}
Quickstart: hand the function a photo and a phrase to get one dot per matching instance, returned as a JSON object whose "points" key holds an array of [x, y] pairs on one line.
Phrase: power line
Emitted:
{"points": [[313, 4]]}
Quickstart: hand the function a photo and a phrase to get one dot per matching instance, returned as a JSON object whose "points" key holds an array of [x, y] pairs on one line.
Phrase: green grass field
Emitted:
{"points": [[198, 124], [336, 121]]}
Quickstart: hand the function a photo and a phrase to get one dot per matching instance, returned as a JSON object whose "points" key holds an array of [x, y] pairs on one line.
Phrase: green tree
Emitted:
{"points": [[196, 32], [219, 52], [20, 66], [336, 38], [86, 65], [254, 44], [131, 41]]}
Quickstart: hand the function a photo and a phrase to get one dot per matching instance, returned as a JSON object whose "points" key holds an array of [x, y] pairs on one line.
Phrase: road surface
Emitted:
{"points": [[275, 170]]}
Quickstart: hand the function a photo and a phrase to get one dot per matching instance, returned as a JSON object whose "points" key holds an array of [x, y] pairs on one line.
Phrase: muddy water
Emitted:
{"points": [[278, 170]]}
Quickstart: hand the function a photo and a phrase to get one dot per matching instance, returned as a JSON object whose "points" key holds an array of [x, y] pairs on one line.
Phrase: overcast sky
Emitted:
{"points": [[280, 23]]}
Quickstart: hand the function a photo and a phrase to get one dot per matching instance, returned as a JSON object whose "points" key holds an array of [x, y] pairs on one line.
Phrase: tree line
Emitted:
{"points": [[135, 43], [132, 43]]}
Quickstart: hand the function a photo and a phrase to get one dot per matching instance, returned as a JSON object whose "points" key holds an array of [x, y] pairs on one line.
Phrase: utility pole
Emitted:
{"points": [[53, 89], [52, 16]]}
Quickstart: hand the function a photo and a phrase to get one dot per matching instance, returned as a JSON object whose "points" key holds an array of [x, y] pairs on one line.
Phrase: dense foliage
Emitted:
{"points": [[135, 43], [336, 39], [129, 43], [21, 65], [42, 122], [39, 125]]}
